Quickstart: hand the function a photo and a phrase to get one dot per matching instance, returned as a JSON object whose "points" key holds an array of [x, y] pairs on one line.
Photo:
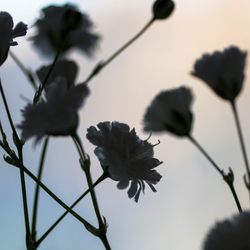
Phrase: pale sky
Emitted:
{"points": [[191, 196]]}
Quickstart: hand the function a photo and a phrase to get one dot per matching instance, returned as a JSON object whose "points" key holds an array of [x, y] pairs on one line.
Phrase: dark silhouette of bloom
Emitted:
{"points": [[7, 34], [162, 9], [61, 28], [170, 111], [230, 234], [126, 157], [57, 115], [222, 71]]}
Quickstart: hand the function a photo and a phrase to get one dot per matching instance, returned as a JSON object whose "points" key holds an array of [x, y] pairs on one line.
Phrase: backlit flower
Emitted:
{"points": [[170, 111], [127, 158], [57, 115], [223, 71], [230, 234], [7, 34], [162, 9], [62, 28]]}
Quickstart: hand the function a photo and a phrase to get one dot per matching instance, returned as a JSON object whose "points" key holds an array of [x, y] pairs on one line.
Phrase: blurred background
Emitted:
{"points": [[191, 196]]}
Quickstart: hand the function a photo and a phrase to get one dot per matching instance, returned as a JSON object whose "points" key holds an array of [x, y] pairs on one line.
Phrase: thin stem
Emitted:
{"points": [[26, 72], [101, 65], [41, 87], [37, 190], [86, 167], [228, 178], [19, 146], [98, 181], [242, 144]]}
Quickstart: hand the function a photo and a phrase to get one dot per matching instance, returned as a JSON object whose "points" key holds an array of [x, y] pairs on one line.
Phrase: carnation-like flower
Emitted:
{"points": [[61, 28], [170, 111], [162, 9], [230, 234], [127, 158], [57, 115], [7, 34], [223, 71]]}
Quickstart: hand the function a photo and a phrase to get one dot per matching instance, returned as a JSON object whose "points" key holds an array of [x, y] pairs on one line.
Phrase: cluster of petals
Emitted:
{"points": [[127, 158], [61, 28], [230, 234], [57, 114], [170, 111], [223, 71], [7, 34]]}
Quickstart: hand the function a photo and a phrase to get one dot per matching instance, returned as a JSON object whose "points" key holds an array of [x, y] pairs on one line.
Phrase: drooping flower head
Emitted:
{"points": [[127, 158], [223, 71], [63, 28], [230, 234], [57, 115], [162, 9], [170, 111], [7, 34]]}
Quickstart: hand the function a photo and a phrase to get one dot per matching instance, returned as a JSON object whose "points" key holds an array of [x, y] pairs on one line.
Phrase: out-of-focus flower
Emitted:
{"points": [[62, 28], [170, 111], [57, 115], [222, 71], [7, 34], [230, 234], [162, 9], [64, 68], [125, 156]]}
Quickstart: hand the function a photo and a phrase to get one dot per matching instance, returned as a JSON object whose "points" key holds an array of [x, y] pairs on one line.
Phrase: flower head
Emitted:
{"points": [[162, 9], [7, 34], [230, 234], [170, 111], [223, 71], [58, 114], [61, 28], [127, 158]]}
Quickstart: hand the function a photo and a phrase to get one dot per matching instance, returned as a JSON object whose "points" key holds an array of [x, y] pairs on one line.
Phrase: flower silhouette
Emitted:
{"points": [[61, 28], [230, 234], [7, 34], [127, 158], [162, 9], [170, 111], [57, 115], [222, 71]]}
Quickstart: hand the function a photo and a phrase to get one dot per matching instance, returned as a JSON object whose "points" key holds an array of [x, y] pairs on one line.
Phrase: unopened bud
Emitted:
{"points": [[162, 9]]}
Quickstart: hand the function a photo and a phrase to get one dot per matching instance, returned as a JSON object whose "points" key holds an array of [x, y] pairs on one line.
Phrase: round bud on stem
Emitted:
{"points": [[162, 9]]}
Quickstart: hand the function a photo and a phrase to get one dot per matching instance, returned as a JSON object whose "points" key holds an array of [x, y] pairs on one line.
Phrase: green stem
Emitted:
{"points": [[26, 72], [242, 144], [99, 180], [229, 178], [101, 65], [86, 167], [37, 190]]}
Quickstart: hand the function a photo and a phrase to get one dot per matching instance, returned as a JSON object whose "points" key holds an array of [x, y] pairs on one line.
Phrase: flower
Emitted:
{"points": [[57, 115], [61, 28], [125, 156], [230, 234], [162, 9], [170, 111], [7, 34], [222, 71], [64, 68]]}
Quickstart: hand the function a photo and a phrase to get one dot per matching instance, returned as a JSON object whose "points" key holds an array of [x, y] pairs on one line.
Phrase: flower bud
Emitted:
{"points": [[162, 9]]}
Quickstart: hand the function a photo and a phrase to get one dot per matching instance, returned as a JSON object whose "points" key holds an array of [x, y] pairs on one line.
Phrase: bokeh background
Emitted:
{"points": [[191, 196]]}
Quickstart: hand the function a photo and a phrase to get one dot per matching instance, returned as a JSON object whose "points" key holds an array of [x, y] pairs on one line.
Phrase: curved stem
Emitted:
{"points": [[37, 190], [229, 178], [101, 65], [98, 181]]}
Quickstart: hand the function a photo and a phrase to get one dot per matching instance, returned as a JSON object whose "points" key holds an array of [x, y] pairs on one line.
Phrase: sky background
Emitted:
{"points": [[191, 195]]}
